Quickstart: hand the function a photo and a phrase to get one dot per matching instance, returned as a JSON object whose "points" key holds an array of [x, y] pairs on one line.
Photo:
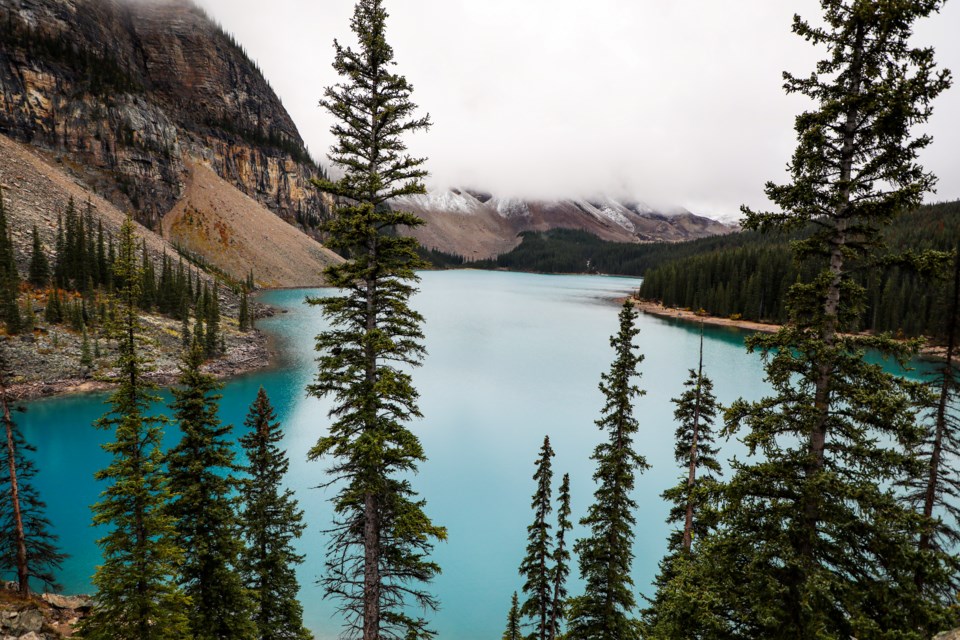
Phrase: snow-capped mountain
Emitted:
{"points": [[479, 225]]}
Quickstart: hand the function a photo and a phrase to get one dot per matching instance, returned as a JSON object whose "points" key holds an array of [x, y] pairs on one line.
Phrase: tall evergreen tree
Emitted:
{"points": [[536, 566], [270, 521], [39, 274], [695, 450], [9, 277], [936, 492], [27, 546], [378, 557], [201, 469], [824, 546], [561, 561], [674, 609], [606, 554], [244, 316], [137, 598], [513, 630]]}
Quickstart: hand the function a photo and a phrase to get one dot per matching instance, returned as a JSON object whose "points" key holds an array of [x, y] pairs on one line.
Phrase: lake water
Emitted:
{"points": [[512, 357]]}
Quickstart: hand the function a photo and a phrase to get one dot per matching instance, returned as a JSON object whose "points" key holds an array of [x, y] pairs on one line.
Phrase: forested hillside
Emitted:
{"points": [[749, 275], [575, 251]]}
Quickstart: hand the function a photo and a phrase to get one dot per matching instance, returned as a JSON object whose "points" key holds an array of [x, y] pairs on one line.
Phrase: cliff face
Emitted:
{"points": [[124, 93]]}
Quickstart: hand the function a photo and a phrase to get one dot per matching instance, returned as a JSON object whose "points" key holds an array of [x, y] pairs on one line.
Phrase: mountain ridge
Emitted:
{"points": [[480, 225]]}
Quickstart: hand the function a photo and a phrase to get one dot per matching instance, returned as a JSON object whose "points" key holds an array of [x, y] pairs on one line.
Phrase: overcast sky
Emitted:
{"points": [[675, 102]]}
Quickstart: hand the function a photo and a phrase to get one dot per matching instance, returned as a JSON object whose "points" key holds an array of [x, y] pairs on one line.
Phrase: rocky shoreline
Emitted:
{"points": [[46, 362], [48, 616]]}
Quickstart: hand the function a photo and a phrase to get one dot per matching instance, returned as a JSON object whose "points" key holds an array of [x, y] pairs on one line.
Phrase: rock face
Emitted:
{"points": [[48, 617], [479, 225], [125, 92]]}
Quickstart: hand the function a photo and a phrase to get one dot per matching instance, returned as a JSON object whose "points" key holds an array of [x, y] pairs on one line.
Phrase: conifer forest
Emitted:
{"points": [[826, 507]]}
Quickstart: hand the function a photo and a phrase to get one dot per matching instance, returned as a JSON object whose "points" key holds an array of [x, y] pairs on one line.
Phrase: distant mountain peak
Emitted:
{"points": [[479, 224]]}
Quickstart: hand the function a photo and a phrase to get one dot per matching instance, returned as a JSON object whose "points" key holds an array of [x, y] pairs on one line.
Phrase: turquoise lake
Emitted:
{"points": [[511, 358]]}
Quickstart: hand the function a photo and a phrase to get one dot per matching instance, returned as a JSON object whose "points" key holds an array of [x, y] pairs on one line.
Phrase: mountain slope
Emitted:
{"points": [[478, 225], [128, 92], [238, 235]]}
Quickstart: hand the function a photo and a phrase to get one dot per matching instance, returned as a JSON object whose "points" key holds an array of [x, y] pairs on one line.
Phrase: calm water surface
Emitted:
{"points": [[512, 357]]}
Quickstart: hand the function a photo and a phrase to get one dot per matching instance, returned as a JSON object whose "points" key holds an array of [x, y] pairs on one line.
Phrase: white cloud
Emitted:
{"points": [[672, 102]]}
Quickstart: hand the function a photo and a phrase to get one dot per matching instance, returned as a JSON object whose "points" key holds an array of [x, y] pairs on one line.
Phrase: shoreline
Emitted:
{"points": [[927, 352], [685, 315], [252, 354]]}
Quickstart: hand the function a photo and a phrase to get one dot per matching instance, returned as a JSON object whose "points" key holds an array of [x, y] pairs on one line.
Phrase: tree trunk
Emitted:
{"points": [[371, 568], [946, 386], [23, 573]]}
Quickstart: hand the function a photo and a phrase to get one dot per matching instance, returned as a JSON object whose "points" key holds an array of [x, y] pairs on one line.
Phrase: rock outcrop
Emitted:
{"points": [[126, 92], [46, 617]]}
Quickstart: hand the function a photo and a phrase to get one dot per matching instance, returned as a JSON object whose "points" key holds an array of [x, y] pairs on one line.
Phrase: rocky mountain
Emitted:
{"points": [[126, 94], [480, 225]]}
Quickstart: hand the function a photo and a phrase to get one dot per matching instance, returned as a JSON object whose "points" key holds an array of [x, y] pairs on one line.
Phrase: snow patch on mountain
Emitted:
{"points": [[453, 201]]}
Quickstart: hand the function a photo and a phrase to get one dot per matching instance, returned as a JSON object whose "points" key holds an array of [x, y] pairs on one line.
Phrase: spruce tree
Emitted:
{"points": [[513, 630], [935, 492], [28, 548], [270, 521], [606, 554], [137, 598], [244, 319], [39, 274], [536, 565], [674, 609], [378, 557], [201, 469], [561, 561], [695, 451], [9, 278], [824, 544], [211, 307]]}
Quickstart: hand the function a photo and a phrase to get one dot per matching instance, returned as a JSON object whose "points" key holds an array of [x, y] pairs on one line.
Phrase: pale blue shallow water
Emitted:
{"points": [[512, 357]]}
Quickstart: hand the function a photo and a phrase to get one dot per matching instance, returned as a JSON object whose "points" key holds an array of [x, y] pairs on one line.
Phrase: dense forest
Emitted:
{"points": [[748, 275]]}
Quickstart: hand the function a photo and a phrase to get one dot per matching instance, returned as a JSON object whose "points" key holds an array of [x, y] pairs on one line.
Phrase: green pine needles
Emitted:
{"points": [[536, 566], [821, 542], [270, 522], [201, 469], [378, 557], [606, 555], [137, 598]]}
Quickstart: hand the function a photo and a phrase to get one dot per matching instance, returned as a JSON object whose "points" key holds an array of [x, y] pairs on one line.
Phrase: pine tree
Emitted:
{"points": [[201, 471], [536, 565], [136, 595], [561, 561], [53, 312], [27, 546], [211, 308], [86, 357], [606, 555], [824, 546], [377, 560], [244, 319], [935, 493], [675, 609], [270, 521], [39, 274], [513, 631], [9, 277]]}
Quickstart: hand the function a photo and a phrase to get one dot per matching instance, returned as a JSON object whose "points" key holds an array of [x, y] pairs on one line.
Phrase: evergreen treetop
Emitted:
{"points": [[270, 521], [378, 558], [536, 566], [201, 469], [137, 598], [606, 554]]}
